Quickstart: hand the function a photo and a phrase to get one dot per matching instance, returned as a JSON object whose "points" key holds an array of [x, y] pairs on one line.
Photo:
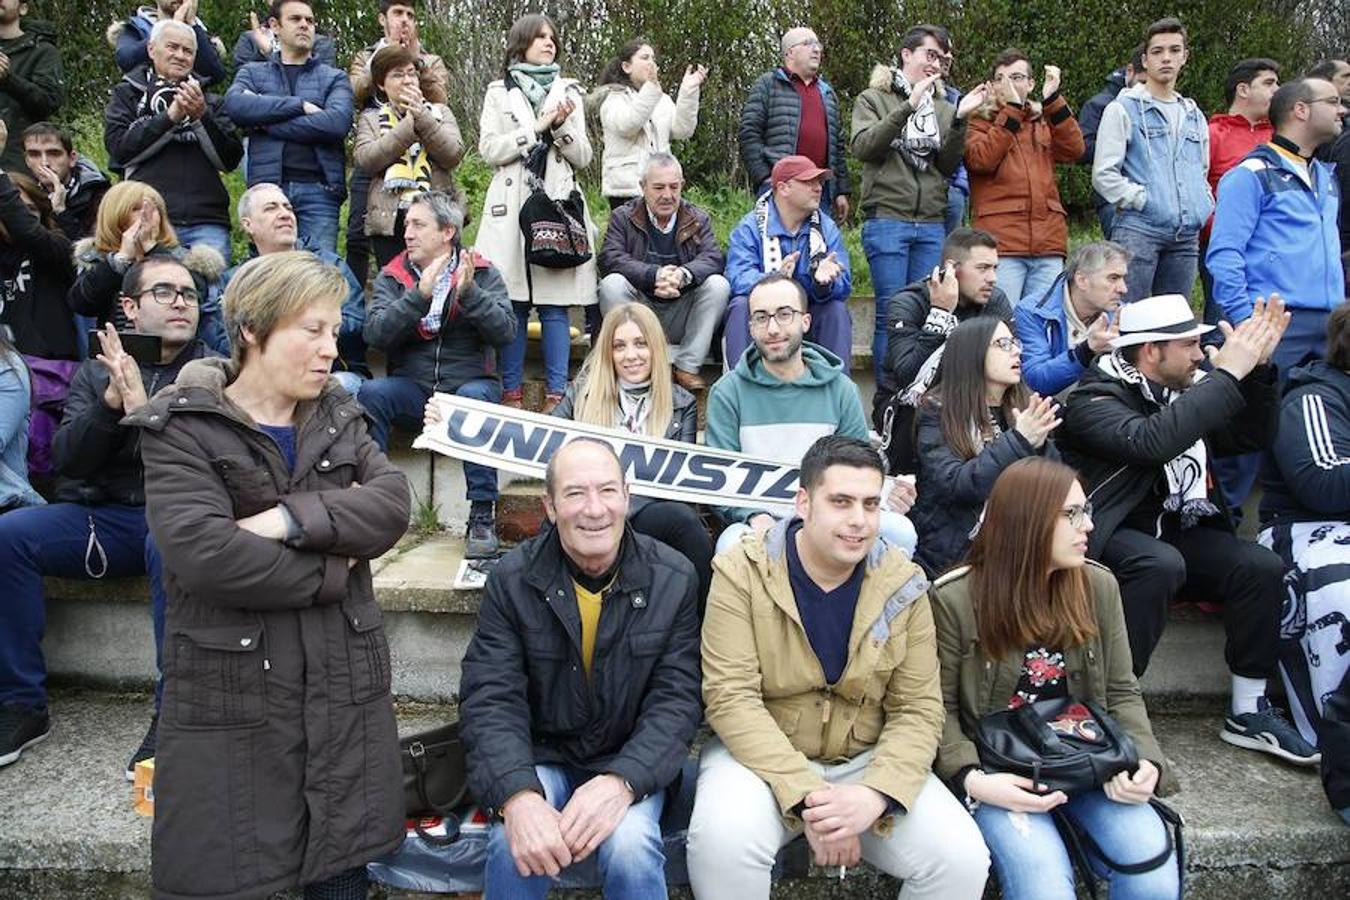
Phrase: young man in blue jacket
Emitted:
{"points": [[1275, 228], [1071, 324], [297, 112]]}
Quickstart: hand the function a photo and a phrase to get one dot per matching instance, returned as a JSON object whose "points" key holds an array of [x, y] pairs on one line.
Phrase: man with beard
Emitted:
{"points": [[783, 395], [74, 184], [161, 128]]}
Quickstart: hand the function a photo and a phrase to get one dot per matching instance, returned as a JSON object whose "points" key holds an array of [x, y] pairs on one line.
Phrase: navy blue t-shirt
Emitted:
{"points": [[284, 435], [299, 162], [827, 616]]}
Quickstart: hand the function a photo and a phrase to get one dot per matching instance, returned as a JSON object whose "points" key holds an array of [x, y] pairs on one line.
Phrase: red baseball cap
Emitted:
{"points": [[797, 168]]}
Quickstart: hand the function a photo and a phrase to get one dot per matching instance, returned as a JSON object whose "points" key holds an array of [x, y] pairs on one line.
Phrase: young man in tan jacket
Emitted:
{"points": [[820, 678]]}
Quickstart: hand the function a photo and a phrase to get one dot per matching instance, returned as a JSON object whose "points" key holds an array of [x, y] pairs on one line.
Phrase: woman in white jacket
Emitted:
{"points": [[638, 118], [533, 103]]}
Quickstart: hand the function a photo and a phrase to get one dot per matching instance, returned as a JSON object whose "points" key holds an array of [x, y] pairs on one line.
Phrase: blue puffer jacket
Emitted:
{"points": [[260, 102], [1307, 477], [1049, 364], [768, 130], [1274, 232]]}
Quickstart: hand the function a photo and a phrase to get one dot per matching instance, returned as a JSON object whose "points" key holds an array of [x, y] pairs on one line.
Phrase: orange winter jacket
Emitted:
{"points": [[1011, 154]]}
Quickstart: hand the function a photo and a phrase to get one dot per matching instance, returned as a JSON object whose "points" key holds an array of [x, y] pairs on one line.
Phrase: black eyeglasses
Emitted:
{"points": [[783, 315], [1078, 516], [166, 294]]}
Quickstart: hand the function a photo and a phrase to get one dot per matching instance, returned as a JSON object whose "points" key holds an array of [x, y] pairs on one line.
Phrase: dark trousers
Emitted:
{"points": [[348, 885], [678, 526], [1247, 578], [387, 246], [358, 244]]}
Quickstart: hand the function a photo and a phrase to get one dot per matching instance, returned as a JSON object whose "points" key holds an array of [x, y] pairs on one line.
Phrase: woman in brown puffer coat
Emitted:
{"points": [[277, 761]]}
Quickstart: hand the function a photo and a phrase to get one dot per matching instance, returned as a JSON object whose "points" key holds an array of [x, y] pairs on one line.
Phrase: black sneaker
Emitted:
{"points": [[147, 748], [480, 541], [21, 728], [1268, 731]]}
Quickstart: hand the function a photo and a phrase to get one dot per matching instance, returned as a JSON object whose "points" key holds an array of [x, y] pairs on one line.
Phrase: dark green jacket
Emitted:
{"points": [[973, 687], [32, 91]]}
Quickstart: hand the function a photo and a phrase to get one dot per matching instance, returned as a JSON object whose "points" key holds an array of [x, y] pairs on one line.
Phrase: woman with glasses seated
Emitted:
{"points": [[975, 421], [1030, 619], [133, 224]]}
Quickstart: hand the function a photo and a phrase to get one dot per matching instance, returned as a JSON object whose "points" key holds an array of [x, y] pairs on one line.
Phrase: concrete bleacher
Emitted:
{"points": [[1256, 828]]}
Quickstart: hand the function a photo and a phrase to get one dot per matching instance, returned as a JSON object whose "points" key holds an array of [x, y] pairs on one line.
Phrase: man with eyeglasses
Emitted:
{"points": [[792, 111], [784, 394], [1142, 427], [96, 528], [1275, 227], [787, 232]]}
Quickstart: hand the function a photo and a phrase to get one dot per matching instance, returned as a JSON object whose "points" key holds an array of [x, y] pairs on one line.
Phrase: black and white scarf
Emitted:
{"points": [[920, 140], [772, 251], [1187, 474]]}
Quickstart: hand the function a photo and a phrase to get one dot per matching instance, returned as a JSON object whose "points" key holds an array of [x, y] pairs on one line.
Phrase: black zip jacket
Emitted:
{"points": [[911, 340], [1119, 442], [97, 459], [36, 273], [524, 695], [1308, 476]]}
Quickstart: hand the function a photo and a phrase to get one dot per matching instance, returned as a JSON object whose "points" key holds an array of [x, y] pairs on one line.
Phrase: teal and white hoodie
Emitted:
{"points": [[754, 412]]}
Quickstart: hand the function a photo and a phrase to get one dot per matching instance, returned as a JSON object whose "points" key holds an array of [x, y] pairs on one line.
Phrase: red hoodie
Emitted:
{"points": [[1230, 139]]}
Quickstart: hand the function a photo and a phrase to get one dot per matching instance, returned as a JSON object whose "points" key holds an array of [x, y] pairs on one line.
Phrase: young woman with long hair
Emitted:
{"points": [[531, 104], [1030, 618], [638, 118], [975, 421]]}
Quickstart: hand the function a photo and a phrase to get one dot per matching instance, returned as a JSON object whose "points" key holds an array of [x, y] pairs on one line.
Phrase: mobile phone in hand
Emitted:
{"points": [[144, 348]]}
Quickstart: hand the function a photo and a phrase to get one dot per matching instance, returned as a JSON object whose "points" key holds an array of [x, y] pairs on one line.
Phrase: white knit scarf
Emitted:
{"points": [[921, 139], [772, 251]]}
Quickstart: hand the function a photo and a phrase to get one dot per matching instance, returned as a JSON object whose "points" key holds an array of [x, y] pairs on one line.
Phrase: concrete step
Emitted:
{"points": [[1255, 828], [98, 633]]}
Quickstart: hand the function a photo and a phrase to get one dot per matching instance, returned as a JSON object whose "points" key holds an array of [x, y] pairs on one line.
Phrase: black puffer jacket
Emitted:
{"points": [[953, 491], [277, 726], [1119, 442], [97, 459], [769, 122], [472, 328], [524, 695]]}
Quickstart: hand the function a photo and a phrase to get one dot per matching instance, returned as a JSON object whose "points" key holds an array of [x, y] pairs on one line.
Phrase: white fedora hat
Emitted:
{"points": [[1167, 317]]}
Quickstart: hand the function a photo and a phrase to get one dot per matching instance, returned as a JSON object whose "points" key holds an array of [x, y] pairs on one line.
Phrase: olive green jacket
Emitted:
{"points": [[766, 694], [973, 687]]}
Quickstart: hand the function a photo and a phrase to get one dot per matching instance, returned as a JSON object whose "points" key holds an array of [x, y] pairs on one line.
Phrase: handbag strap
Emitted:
{"points": [[452, 823], [1080, 841]]}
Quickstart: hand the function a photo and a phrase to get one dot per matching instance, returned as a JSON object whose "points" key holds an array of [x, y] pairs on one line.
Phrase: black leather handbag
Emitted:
{"points": [[1065, 744], [435, 779]]}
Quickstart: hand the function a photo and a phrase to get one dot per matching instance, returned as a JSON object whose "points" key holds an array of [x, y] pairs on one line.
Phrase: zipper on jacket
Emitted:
{"points": [[825, 708], [1107, 481]]}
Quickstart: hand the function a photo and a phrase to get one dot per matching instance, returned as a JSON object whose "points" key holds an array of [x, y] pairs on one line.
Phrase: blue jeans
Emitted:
{"points": [[1028, 277], [956, 209], [1158, 265], [557, 347], [55, 541], [898, 254], [1031, 862], [399, 400], [215, 236], [316, 208], [632, 859]]}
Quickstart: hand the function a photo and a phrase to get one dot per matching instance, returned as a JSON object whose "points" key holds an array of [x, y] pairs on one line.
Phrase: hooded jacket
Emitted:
{"points": [[1231, 138], [1276, 233], [917, 330], [1307, 478], [1119, 442], [84, 192], [770, 120], [1011, 152], [98, 282], [1090, 116], [973, 687], [766, 694], [752, 411], [33, 90], [526, 700], [130, 37], [182, 160], [891, 187], [277, 721], [97, 458], [473, 328], [35, 276], [432, 76], [261, 103]]}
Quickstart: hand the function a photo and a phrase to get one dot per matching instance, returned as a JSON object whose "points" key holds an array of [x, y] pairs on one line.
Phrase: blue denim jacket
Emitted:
{"points": [[15, 394], [1173, 171]]}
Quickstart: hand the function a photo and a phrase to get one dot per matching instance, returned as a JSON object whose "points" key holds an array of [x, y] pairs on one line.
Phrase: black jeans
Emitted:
{"points": [[1245, 577], [358, 245], [348, 885], [678, 526]]}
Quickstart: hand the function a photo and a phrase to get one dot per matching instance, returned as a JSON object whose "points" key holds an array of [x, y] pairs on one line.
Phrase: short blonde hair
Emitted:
{"points": [[117, 204], [270, 290]]}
